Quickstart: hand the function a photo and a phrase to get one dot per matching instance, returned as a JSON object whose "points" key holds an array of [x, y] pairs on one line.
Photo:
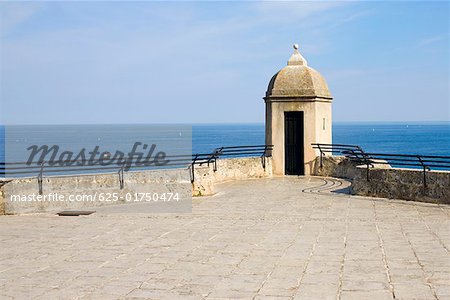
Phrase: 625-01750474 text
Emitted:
{"points": [[102, 197]]}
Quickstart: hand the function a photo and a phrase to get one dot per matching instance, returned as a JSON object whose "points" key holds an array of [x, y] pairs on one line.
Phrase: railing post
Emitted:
{"points": [[121, 170], [424, 167], [215, 164], [40, 176], [263, 157], [367, 161], [367, 174], [321, 155], [362, 152], [212, 158], [192, 168], [217, 153]]}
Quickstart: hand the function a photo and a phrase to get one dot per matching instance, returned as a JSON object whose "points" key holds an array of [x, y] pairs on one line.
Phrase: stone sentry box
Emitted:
{"points": [[298, 113]]}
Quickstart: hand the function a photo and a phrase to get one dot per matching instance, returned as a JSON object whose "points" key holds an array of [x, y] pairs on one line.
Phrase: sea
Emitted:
{"points": [[425, 138]]}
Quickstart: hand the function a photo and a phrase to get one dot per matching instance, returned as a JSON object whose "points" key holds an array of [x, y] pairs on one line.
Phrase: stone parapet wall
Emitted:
{"points": [[2, 197], [335, 166], [228, 169], [157, 181], [387, 182], [404, 184]]}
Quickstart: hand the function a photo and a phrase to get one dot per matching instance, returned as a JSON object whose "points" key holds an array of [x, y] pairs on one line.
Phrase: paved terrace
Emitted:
{"points": [[260, 239]]}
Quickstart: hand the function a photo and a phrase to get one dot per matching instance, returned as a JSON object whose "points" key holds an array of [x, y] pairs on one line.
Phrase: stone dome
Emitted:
{"points": [[297, 80]]}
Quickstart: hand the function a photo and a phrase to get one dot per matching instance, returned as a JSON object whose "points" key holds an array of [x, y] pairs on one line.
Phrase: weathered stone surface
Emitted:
{"points": [[157, 181], [334, 166], [387, 182], [298, 80], [2, 196], [297, 88], [93, 186], [228, 169], [404, 184], [254, 239]]}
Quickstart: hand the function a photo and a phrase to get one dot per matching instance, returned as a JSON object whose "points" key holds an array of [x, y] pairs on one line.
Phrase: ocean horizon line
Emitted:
{"points": [[234, 123]]}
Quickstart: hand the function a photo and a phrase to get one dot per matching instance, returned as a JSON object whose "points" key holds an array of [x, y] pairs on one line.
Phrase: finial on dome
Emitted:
{"points": [[296, 58]]}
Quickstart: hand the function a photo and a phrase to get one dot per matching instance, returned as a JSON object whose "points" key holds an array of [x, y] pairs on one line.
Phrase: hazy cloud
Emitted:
{"points": [[144, 62]]}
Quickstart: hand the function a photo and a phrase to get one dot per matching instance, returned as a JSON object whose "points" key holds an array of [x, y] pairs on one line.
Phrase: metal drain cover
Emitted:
{"points": [[74, 213]]}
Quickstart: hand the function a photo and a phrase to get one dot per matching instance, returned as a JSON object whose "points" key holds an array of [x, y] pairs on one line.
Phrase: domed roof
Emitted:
{"points": [[297, 80]]}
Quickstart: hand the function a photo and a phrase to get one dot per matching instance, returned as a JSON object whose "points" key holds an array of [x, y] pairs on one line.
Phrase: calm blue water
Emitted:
{"points": [[418, 138], [411, 138]]}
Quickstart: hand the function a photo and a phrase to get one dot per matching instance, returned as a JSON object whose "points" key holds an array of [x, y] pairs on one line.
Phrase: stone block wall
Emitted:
{"points": [[157, 181], [228, 169], [387, 182], [2, 197], [334, 166], [404, 184]]}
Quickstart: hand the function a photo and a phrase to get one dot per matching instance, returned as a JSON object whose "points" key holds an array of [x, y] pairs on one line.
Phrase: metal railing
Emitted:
{"points": [[370, 159], [336, 149], [78, 167], [262, 151]]}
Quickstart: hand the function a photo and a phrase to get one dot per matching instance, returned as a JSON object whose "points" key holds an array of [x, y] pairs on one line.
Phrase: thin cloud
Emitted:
{"points": [[432, 39], [346, 74], [351, 18], [132, 55], [295, 11], [14, 14]]}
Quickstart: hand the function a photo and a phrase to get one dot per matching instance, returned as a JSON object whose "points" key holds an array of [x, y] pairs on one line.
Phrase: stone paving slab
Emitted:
{"points": [[275, 238]]}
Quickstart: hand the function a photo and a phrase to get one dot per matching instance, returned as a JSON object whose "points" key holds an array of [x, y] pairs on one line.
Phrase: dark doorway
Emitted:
{"points": [[294, 160]]}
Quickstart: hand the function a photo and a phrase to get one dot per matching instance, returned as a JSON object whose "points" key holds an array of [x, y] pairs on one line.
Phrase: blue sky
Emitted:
{"points": [[209, 62]]}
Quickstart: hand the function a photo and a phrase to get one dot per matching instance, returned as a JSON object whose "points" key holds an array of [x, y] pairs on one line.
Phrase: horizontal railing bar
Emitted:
{"points": [[96, 161], [254, 146], [412, 165], [344, 145], [182, 161], [90, 166], [404, 159], [375, 162], [406, 155], [89, 169], [80, 165], [188, 157], [338, 149], [335, 147], [240, 152], [355, 153]]}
